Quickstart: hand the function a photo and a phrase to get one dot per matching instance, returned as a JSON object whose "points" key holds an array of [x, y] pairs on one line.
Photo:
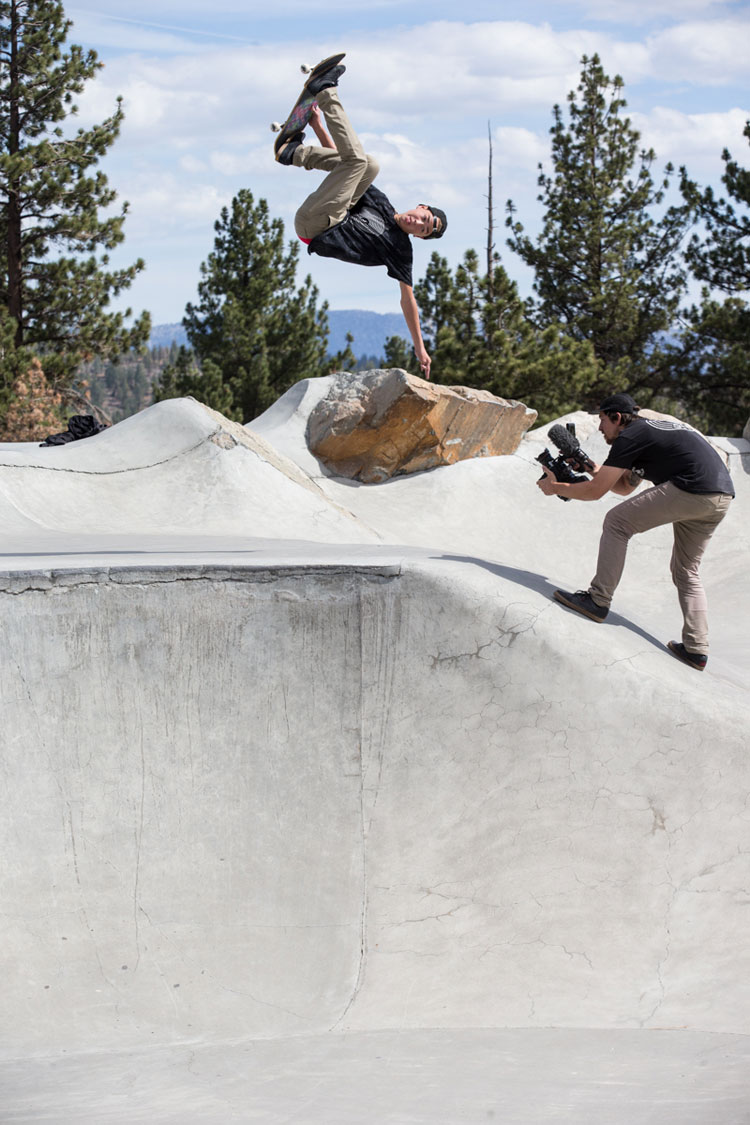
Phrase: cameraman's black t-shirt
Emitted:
{"points": [[368, 236], [669, 451]]}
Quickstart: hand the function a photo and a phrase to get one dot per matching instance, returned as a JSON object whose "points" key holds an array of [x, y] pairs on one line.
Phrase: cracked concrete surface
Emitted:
{"points": [[339, 799]]}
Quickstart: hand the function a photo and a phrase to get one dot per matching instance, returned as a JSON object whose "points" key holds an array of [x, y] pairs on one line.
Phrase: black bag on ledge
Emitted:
{"points": [[79, 426]]}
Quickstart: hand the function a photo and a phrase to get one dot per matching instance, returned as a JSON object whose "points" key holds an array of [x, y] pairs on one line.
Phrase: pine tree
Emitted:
{"points": [[52, 285], [723, 258], [479, 334], [398, 353], [36, 409], [182, 376], [252, 332], [606, 268], [714, 373], [344, 360]]}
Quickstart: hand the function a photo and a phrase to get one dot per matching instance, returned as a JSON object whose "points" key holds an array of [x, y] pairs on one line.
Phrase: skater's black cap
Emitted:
{"points": [[617, 404], [438, 229]]}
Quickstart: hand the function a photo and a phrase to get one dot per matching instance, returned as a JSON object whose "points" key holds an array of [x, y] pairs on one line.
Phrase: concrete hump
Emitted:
{"points": [[177, 466]]}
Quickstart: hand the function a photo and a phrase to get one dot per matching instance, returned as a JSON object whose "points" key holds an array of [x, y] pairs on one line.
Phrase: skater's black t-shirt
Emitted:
{"points": [[669, 451], [368, 236]]}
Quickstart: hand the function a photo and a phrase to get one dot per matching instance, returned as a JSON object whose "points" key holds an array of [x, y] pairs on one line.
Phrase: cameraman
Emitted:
{"points": [[692, 490]]}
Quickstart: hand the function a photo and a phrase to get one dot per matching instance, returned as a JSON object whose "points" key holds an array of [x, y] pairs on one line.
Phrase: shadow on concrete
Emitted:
{"points": [[543, 586]]}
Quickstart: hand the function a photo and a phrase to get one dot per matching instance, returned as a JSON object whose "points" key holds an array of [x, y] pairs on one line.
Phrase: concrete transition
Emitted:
{"points": [[319, 809], [378, 424]]}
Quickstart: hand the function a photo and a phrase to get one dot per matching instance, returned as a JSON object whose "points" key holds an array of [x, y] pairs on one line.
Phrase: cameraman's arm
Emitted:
{"points": [[627, 483], [604, 480]]}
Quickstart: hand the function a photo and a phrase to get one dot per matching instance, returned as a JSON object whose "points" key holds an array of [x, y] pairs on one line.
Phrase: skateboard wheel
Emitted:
{"points": [[306, 69], [276, 126]]}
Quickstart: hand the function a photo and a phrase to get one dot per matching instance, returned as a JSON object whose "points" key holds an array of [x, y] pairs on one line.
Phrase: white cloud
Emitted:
{"points": [[709, 53], [694, 139], [192, 164], [164, 204], [129, 35], [513, 147]]}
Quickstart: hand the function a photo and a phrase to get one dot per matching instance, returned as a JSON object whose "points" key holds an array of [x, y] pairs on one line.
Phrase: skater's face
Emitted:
{"points": [[608, 428], [420, 221]]}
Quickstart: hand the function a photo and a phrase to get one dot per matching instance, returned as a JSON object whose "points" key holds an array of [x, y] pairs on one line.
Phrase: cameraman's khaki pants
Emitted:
{"points": [[694, 517], [350, 171]]}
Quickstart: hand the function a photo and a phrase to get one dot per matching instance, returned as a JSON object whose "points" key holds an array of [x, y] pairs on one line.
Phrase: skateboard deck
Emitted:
{"points": [[303, 107]]}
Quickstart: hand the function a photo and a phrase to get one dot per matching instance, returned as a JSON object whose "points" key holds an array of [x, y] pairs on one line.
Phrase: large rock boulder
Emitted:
{"points": [[376, 424]]}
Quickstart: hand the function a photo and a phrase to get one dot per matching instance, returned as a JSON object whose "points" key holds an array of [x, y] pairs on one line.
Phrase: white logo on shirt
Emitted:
{"points": [[370, 220], [663, 424]]}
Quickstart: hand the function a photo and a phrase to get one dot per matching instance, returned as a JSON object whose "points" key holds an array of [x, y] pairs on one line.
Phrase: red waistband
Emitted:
{"points": [[306, 241]]}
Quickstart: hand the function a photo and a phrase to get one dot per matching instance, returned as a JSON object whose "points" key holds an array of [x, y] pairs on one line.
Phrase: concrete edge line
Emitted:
{"points": [[115, 472], [22, 581]]}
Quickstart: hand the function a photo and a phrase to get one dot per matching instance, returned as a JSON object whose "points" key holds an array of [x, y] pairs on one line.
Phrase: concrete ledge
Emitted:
{"points": [[474, 1076], [21, 581]]}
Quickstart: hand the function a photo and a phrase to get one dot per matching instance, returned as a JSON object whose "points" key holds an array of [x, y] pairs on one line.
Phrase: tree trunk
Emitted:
{"points": [[15, 286]]}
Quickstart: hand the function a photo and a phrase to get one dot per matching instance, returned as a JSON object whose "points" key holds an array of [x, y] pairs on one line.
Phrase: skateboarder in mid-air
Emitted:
{"points": [[347, 217]]}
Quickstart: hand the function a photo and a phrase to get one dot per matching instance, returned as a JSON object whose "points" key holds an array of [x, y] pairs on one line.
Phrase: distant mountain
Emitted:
{"points": [[162, 335], [369, 329]]}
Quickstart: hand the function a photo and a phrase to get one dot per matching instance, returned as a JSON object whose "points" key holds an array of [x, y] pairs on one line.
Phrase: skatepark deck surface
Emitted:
{"points": [[322, 810]]}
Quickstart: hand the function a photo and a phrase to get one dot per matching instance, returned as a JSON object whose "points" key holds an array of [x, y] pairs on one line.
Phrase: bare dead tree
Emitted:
{"points": [[490, 221]]}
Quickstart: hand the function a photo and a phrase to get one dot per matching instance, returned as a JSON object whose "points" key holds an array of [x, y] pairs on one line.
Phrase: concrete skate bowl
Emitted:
{"points": [[342, 841]]}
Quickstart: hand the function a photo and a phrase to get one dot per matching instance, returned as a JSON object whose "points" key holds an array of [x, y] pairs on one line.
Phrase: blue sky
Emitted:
{"points": [[202, 82]]}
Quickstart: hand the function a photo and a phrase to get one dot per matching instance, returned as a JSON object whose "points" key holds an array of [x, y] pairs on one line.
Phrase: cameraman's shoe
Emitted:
{"points": [[582, 602], [697, 660]]}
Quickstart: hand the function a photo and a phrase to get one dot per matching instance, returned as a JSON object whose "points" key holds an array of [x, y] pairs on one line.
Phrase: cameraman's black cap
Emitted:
{"points": [[617, 404]]}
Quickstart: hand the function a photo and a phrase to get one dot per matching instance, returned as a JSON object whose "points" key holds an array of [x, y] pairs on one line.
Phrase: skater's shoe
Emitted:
{"points": [[697, 660], [325, 81], [285, 153], [582, 602]]}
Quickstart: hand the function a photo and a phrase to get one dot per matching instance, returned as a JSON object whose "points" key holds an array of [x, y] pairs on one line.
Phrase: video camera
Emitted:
{"points": [[570, 457]]}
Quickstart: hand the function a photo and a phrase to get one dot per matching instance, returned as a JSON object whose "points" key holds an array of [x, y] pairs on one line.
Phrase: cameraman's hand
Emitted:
{"points": [[547, 483]]}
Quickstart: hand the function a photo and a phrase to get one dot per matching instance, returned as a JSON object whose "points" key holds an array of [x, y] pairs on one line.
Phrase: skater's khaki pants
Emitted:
{"points": [[694, 517], [350, 171]]}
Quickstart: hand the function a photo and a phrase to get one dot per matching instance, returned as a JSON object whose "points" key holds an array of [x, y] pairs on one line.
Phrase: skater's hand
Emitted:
{"points": [[547, 483], [411, 316], [317, 124]]}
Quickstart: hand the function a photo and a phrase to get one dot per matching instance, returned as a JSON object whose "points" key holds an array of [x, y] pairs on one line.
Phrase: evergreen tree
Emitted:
{"points": [[604, 267], [183, 376], [253, 334], [478, 333], [714, 363], [53, 288], [345, 360], [722, 258], [36, 409], [399, 353]]}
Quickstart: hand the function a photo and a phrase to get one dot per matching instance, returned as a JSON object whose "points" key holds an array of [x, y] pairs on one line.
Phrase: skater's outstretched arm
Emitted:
{"points": [[411, 316], [319, 129]]}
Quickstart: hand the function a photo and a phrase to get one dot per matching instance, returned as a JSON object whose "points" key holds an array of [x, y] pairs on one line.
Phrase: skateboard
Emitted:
{"points": [[303, 107]]}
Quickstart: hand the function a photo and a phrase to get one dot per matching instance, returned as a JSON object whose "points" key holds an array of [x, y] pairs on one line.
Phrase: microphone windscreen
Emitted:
{"points": [[563, 439]]}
